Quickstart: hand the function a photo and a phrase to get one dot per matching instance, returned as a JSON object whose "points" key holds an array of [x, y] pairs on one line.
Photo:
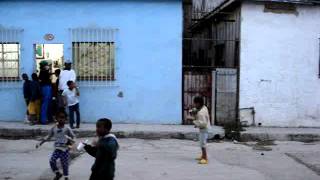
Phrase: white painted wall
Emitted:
{"points": [[279, 65]]}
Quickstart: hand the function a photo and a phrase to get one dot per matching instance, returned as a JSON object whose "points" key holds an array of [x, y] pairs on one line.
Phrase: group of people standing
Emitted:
{"points": [[44, 98]]}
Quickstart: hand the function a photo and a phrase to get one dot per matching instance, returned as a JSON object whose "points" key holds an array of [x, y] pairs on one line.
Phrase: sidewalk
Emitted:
{"points": [[19, 130], [280, 134]]}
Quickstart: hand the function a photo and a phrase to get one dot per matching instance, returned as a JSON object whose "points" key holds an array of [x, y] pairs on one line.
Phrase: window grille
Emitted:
{"points": [[93, 55], [9, 57], [280, 8]]}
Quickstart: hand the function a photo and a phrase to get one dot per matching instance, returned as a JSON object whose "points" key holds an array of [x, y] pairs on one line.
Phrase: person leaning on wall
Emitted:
{"points": [[56, 99], [26, 93], [46, 92], [35, 100]]}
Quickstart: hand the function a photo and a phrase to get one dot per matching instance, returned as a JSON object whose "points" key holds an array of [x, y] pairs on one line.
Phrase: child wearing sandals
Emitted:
{"points": [[202, 121], [63, 140]]}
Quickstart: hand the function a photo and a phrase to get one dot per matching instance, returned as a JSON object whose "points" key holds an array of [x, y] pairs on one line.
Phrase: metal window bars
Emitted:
{"points": [[93, 55], [10, 57]]}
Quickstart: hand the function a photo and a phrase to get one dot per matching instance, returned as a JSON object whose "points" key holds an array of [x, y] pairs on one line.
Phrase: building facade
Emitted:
{"points": [[127, 55], [277, 63], [279, 73]]}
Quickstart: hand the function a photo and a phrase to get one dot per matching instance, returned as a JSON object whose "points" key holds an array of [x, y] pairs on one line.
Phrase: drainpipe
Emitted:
{"points": [[253, 113], [319, 59]]}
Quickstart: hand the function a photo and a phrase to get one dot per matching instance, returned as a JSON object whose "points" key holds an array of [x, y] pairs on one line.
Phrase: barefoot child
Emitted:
{"points": [[105, 152], [63, 140], [202, 121]]}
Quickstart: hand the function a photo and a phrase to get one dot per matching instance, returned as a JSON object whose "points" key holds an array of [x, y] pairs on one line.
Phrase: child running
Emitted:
{"points": [[105, 152], [63, 140], [202, 122]]}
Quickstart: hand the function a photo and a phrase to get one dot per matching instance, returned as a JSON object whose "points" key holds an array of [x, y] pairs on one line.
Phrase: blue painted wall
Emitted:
{"points": [[148, 57]]}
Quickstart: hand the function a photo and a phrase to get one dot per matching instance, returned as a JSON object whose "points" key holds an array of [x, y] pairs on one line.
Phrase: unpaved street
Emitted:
{"points": [[173, 160]]}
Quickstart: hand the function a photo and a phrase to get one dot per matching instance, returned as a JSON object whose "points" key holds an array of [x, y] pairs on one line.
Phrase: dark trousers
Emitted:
{"points": [[74, 109], [64, 158], [46, 104], [54, 106], [60, 100], [95, 176], [27, 103]]}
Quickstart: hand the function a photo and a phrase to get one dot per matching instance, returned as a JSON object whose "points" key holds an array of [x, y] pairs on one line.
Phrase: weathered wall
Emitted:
{"points": [[279, 65], [148, 57], [228, 33]]}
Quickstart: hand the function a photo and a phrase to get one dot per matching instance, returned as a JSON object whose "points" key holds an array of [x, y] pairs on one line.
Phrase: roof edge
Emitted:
{"points": [[227, 3]]}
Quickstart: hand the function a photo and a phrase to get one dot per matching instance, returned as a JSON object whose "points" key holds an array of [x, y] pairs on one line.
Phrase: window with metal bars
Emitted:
{"points": [[93, 55], [9, 61], [94, 61], [280, 8]]}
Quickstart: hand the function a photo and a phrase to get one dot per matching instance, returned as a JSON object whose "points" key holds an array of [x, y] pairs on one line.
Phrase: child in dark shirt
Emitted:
{"points": [[105, 152], [35, 100], [26, 92]]}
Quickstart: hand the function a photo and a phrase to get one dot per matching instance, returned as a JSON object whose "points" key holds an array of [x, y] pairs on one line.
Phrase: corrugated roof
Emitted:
{"points": [[291, 1], [227, 3]]}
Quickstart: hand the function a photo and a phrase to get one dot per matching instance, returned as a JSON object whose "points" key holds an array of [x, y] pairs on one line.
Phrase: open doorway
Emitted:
{"points": [[51, 53]]}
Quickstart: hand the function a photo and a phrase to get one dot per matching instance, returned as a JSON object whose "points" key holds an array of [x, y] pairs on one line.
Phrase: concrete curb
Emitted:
{"points": [[10, 133], [281, 134], [144, 131]]}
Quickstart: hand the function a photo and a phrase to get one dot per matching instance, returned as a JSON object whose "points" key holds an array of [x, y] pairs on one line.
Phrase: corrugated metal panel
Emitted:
{"points": [[226, 95]]}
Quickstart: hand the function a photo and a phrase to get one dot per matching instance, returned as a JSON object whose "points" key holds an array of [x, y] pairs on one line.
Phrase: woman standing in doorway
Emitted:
{"points": [[46, 91]]}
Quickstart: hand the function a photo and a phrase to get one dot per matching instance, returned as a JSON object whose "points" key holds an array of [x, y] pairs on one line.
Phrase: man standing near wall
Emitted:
{"points": [[46, 92], [66, 75]]}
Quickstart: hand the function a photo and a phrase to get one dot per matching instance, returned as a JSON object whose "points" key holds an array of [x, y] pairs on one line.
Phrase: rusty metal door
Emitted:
{"points": [[196, 83], [219, 90], [209, 71]]}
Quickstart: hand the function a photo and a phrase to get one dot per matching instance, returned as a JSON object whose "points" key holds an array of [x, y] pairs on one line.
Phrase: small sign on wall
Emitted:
{"points": [[39, 51], [49, 37]]}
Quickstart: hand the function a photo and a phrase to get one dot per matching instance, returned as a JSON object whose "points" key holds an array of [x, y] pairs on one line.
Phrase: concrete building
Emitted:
{"points": [[279, 69], [127, 55], [278, 80]]}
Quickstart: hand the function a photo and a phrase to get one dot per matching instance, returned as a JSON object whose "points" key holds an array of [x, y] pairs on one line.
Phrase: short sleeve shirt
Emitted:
{"points": [[71, 95]]}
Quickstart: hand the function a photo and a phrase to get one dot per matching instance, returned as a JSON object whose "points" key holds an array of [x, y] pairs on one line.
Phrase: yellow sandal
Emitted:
{"points": [[203, 161]]}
